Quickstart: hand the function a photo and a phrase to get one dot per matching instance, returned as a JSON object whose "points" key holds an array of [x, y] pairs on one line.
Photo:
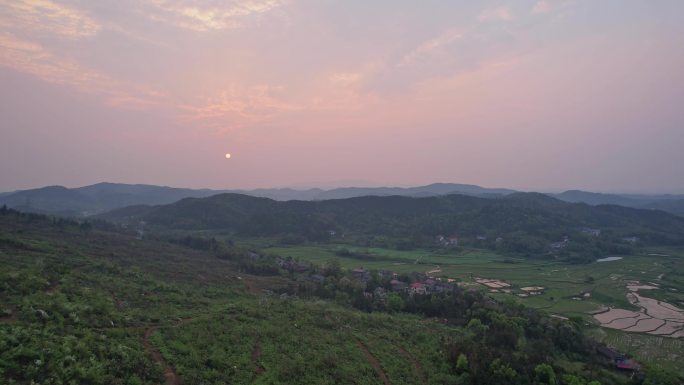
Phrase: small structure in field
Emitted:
{"points": [[533, 290], [492, 283]]}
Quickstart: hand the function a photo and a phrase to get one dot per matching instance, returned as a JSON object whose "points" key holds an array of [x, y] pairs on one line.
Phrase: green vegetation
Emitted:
{"points": [[87, 305], [520, 225]]}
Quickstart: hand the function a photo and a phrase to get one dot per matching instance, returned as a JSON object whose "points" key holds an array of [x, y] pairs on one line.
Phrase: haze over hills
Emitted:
{"points": [[101, 197], [88, 200], [526, 223]]}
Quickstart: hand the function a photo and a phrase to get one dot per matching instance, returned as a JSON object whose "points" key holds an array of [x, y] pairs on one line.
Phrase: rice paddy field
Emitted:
{"points": [[569, 290]]}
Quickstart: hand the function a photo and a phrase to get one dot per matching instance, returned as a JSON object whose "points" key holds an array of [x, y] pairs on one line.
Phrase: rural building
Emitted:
{"points": [[398, 286], [592, 232], [361, 274], [386, 274], [317, 278], [447, 241], [631, 240], [417, 288]]}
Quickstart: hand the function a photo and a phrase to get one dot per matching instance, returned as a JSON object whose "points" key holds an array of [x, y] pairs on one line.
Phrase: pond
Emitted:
{"points": [[609, 259]]}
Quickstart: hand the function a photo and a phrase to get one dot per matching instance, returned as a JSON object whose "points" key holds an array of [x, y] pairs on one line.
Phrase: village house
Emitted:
{"points": [[361, 274], [398, 286], [292, 266], [562, 244], [631, 240], [417, 288], [430, 285], [418, 276], [386, 274], [317, 278], [443, 287], [592, 232], [619, 360], [447, 241]]}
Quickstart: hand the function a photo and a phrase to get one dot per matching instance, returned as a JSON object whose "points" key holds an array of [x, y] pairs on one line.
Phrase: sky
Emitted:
{"points": [[542, 95]]}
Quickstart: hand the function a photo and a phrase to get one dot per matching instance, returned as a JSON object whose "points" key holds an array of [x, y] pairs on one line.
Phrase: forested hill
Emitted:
{"points": [[521, 215]]}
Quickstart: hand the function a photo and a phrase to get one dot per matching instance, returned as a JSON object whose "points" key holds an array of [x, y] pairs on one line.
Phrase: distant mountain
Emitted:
{"points": [[102, 197], [674, 206], [591, 198], [94, 199], [283, 194], [666, 202], [421, 191], [529, 221], [50, 199]]}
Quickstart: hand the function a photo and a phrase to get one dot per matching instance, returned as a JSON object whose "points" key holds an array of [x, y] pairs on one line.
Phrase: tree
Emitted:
{"points": [[544, 375], [657, 376], [502, 373], [476, 327], [394, 303], [462, 363], [334, 268]]}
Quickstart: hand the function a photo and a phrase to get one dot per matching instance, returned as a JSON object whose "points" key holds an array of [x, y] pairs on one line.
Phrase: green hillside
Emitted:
{"points": [[86, 304], [524, 223]]}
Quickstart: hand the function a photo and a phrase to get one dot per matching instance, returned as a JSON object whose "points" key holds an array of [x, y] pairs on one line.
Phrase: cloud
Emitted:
{"points": [[501, 13], [432, 46], [345, 78], [205, 16], [34, 59], [238, 107], [541, 7], [46, 16]]}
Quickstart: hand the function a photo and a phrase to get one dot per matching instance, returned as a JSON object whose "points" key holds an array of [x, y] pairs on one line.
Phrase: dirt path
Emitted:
{"points": [[415, 363], [169, 373], [12, 317], [52, 289], [374, 363], [256, 353], [117, 301]]}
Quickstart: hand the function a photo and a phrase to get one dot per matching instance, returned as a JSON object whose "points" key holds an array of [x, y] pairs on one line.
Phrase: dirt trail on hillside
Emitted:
{"points": [[169, 373], [117, 301], [256, 353], [52, 288], [12, 317], [374, 363], [415, 363]]}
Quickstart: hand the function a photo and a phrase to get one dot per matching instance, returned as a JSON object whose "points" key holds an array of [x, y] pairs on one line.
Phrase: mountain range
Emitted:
{"points": [[527, 223], [101, 197]]}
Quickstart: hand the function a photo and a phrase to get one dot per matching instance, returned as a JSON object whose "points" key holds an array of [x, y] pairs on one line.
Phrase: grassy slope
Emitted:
{"points": [[78, 305], [102, 291]]}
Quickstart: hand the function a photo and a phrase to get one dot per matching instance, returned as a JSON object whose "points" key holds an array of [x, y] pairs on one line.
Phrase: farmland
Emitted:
{"points": [[603, 284]]}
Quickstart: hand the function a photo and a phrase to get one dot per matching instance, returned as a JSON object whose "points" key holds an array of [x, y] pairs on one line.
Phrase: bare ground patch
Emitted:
{"points": [[171, 378], [374, 363]]}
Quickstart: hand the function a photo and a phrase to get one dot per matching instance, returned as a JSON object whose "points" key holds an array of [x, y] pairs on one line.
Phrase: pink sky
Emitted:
{"points": [[533, 95]]}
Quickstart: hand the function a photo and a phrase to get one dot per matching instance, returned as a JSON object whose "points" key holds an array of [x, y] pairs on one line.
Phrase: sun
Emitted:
{"points": [[228, 155]]}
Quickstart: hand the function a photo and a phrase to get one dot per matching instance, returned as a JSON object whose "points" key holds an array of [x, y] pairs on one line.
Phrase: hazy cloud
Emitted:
{"points": [[34, 59], [46, 16], [432, 46], [501, 13], [210, 15], [541, 6]]}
